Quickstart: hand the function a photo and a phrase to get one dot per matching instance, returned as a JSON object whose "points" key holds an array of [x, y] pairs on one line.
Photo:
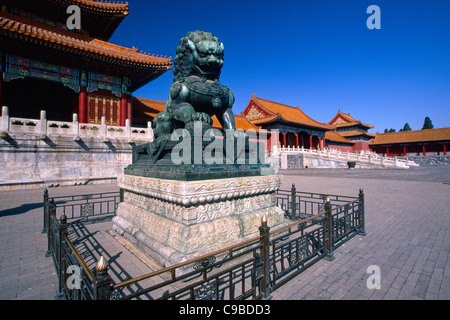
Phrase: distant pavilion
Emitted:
{"points": [[352, 129], [425, 142], [296, 129]]}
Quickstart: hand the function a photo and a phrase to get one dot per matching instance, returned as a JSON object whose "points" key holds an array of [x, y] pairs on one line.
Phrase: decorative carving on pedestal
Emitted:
{"points": [[173, 221]]}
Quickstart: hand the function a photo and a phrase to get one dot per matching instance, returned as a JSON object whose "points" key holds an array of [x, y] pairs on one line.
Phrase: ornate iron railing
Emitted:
{"points": [[302, 205], [75, 280], [231, 273], [84, 206], [248, 270]]}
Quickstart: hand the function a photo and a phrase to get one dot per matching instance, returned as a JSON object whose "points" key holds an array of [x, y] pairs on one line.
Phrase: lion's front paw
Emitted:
{"points": [[201, 116]]}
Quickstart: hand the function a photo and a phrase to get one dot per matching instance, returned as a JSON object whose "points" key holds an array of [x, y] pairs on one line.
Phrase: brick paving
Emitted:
{"points": [[407, 225], [408, 237]]}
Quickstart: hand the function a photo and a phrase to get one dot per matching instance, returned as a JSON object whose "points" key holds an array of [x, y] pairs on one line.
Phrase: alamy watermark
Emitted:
{"points": [[374, 20], [74, 280], [374, 280], [74, 20]]}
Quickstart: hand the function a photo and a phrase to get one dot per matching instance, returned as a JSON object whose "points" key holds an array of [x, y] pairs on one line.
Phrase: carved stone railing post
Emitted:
{"points": [[43, 125], [4, 120], [149, 130], [127, 128], [75, 125], [104, 130]]}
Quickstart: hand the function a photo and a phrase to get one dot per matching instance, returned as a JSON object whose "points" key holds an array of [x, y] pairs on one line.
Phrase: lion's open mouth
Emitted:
{"points": [[209, 69]]}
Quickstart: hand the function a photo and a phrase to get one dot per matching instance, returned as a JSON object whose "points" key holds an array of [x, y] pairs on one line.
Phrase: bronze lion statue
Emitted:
{"points": [[196, 94]]}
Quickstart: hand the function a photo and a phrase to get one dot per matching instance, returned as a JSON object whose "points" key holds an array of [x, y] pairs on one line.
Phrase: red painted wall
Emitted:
{"points": [[340, 148], [361, 145]]}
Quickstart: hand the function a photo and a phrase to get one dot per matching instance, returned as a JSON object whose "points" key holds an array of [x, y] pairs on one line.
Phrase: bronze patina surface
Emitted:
{"points": [[195, 96]]}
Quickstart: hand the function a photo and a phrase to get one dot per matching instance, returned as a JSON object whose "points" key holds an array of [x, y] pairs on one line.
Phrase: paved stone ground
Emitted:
{"points": [[407, 222], [25, 272], [408, 237]]}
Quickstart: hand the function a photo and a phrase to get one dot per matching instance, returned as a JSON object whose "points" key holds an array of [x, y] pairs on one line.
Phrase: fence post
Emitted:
{"points": [[102, 280], [361, 213], [265, 258], [45, 218], [63, 226], [293, 200], [328, 232], [121, 193], [51, 207]]}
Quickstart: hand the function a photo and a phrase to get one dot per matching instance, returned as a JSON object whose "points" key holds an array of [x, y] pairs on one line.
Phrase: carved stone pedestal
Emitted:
{"points": [[173, 221]]}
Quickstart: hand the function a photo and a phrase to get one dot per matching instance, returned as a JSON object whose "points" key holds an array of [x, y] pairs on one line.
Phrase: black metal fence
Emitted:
{"points": [[302, 205], [249, 270], [84, 206], [75, 280]]}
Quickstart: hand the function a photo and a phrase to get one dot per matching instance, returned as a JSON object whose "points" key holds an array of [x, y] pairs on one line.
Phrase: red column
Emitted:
{"points": [[404, 150], [274, 139], [320, 143], [296, 140], [82, 105], [423, 150], [284, 139], [323, 143], [310, 142], [445, 149], [123, 109], [129, 109], [387, 151]]}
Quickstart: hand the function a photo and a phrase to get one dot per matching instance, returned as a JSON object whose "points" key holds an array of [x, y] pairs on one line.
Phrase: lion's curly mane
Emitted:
{"points": [[181, 68]]}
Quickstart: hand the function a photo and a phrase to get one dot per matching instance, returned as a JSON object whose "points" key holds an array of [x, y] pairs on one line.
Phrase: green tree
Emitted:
{"points": [[406, 127], [427, 124], [386, 130], [391, 130]]}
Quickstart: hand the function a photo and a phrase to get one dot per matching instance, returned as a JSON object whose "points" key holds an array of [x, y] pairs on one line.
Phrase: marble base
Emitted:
{"points": [[173, 221]]}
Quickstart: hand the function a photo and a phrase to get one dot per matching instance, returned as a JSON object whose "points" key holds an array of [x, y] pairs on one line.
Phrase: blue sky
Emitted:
{"points": [[317, 54]]}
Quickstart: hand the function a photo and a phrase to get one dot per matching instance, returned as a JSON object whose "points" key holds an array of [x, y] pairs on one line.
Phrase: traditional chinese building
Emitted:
{"points": [[425, 142], [296, 129], [352, 129], [44, 65]]}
